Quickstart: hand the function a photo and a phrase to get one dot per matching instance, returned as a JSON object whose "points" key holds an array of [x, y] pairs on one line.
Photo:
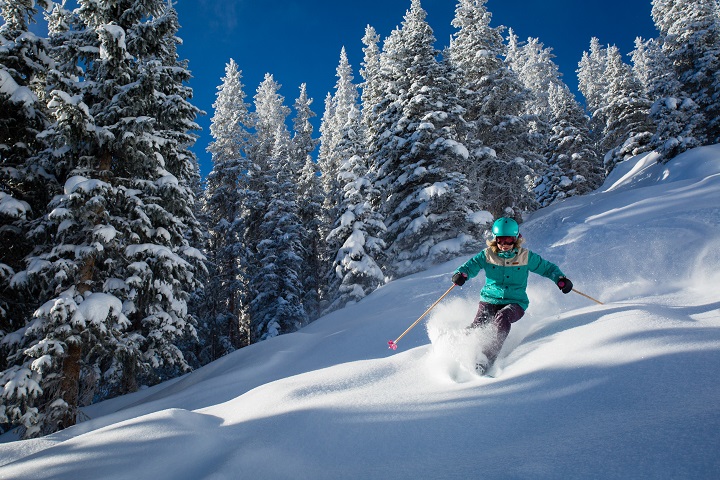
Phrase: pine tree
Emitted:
{"points": [[114, 282], [357, 270], [533, 63], [690, 38], [559, 123], [24, 63], [333, 151], [337, 109], [355, 237], [536, 70], [574, 167], [370, 86], [492, 99], [273, 230], [328, 165], [675, 115], [231, 136], [593, 85], [309, 201], [25, 189], [352, 239], [303, 144], [417, 151], [626, 111], [255, 192], [277, 308], [310, 213]]}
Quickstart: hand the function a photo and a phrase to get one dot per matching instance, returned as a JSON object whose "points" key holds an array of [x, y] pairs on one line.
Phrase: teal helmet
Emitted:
{"points": [[505, 227]]}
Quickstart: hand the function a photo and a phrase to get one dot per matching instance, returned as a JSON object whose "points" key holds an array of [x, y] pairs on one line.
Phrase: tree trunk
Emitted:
{"points": [[70, 385], [129, 377]]}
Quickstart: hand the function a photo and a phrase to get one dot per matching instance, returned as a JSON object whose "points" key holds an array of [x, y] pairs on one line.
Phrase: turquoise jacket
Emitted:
{"points": [[506, 278]]}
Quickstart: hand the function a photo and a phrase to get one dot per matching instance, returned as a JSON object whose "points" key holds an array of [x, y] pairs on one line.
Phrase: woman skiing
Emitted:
{"points": [[503, 299]]}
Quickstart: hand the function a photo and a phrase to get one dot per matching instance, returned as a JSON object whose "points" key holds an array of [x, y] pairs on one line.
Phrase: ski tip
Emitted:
{"points": [[392, 345]]}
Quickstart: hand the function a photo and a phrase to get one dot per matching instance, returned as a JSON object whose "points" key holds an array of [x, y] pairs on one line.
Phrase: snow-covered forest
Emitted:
{"points": [[120, 269]]}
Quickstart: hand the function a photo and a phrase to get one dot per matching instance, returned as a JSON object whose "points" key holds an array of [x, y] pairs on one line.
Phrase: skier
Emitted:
{"points": [[503, 299]]}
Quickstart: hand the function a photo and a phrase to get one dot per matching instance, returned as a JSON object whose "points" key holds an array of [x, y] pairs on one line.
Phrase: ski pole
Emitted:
{"points": [[392, 344], [588, 296]]}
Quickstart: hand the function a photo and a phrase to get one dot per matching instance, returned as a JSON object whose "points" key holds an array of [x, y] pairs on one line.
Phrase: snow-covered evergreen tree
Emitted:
{"points": [[230, 129], [170, 182], [558, 124], [352, 240], [574, 167], [254, 189], [690, 38], [533, 63], [309, 201], [497, 134], [626, 111], [328, 165], [591, 68], [675, 115], [689, 42], [491, 94], [652, 68], [357, 269], [334, 147], [303, 143], [370, 86], [337, 108], [113, 283], [25, 188], [593, 85], [277, 307], [24, 63], [273, 231], [356, 234], [417, 151]]}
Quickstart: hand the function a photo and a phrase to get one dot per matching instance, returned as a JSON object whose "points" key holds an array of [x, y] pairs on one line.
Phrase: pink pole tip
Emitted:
{"points": [[392, 345]]}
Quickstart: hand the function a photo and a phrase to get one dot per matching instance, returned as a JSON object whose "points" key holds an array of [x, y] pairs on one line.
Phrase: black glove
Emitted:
{"points": [[565, 285], [459, 279]]}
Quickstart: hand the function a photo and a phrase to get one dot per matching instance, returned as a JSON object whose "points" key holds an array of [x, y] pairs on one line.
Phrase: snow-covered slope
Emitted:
{"points": [[628, 389]]}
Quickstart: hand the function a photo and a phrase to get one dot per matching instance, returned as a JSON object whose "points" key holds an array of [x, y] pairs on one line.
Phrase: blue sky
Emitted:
{"points": [[299, 41]]}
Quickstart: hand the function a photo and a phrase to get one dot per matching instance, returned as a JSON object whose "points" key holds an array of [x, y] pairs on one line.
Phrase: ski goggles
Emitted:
{"points": [[505, 240]]}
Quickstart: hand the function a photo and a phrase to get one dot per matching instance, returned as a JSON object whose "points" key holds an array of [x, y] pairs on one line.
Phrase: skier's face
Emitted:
{"points": [[505, 243]]}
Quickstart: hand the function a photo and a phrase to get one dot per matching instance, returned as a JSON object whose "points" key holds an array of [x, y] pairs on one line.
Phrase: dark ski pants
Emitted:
{"points": [[501, 317]]}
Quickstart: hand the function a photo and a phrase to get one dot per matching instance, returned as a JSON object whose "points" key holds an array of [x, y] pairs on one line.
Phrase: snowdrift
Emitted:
{"points": [[627, 389]]}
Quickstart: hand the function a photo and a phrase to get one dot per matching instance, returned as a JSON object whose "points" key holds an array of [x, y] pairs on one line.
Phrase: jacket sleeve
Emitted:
{"points": [[539, 265], [473, 266]]}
